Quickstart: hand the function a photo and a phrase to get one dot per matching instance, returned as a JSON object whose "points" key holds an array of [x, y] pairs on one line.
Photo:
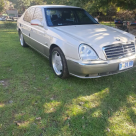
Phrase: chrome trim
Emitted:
{"points": [[123, 49], [96, 63], [83, 77]]}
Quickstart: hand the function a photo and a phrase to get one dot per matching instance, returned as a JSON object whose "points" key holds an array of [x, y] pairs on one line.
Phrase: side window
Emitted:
{"points": [[29, 14], [26, 16], [38, 14]]}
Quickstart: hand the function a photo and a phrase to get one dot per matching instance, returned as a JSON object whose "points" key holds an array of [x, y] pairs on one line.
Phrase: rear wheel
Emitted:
{"points": [[58, 63], [22, 41]]}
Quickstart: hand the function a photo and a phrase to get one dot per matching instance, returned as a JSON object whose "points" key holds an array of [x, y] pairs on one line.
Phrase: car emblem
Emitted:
{"points": [[117, 39], [120, 57]]}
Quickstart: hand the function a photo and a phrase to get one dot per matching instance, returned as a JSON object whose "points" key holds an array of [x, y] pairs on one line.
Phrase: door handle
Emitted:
{"points": [[29, 34]]}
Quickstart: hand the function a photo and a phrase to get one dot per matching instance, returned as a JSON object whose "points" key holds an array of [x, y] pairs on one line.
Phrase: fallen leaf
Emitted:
{"points": [[108, 129], [39, 118], [108, 112], [10, 101], [81, 103], [52, 98]]}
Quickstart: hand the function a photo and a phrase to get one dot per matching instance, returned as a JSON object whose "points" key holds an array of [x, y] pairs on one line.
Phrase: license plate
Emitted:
{"points": [[125, 65]]}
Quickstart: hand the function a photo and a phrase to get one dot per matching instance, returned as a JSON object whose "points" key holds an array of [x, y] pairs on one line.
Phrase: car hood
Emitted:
{"points": [[96, 35]]}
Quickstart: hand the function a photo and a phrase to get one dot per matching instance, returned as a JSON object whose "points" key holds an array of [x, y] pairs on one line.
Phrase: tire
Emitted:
{"points": [[58, 63], [22, 41]]}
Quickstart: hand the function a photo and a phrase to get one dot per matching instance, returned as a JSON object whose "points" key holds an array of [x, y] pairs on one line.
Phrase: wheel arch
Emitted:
{"points": [[65, 66], [50, 50]]}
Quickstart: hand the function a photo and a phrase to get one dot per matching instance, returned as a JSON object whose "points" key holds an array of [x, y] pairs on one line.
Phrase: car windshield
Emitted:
{"points": [[68, 16]]}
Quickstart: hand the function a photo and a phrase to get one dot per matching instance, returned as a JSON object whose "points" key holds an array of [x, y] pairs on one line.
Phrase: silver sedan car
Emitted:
{"points": [[75, 43]]}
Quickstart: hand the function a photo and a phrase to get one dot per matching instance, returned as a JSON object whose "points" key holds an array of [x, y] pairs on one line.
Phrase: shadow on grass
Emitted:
{"points": [[66, 107]]}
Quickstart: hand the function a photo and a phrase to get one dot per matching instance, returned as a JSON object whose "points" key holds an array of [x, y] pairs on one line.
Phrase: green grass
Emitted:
{"points": [[34, 102]]}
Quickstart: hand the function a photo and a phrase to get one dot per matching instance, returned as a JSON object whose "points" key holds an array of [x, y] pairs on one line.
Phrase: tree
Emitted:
{"points": [[21, 5], [89, 5], [1, 5]]}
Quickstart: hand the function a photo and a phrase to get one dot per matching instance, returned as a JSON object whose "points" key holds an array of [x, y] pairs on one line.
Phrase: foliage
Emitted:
{"points": [[21, 5], [1, 5], [126, 15], [90, 5], [126, 4]]}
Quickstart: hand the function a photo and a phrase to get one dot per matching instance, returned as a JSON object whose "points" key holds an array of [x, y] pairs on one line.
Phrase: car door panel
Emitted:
{"points": [[26, 32], [38, 39]]}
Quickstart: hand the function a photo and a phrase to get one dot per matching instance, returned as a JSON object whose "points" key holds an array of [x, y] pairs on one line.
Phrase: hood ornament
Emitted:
{"points": [[117, 39]]}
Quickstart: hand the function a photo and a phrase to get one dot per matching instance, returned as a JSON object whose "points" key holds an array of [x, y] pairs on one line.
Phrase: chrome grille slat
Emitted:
{"points": [[113, 51], [114, 54], [120, 54], [115, 57], [113, 48], [129, 47], [119, 50], [129, 51]]}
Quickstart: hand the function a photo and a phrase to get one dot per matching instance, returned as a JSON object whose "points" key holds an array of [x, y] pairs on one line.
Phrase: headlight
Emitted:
{"points": [[87, 53]]}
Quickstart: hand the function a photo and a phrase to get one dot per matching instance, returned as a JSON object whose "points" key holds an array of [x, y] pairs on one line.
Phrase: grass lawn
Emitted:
{"points": [[34, 102]]}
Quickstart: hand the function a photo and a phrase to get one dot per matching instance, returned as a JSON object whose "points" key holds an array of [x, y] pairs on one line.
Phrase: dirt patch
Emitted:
{"points": [[4, 83]]}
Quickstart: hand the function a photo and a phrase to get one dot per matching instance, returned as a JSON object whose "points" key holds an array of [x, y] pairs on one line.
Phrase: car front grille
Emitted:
{"points": [[119, 50]]}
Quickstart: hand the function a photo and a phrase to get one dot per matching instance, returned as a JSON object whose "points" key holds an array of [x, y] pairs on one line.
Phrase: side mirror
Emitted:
{"points": [[96, 19], [36, 22]]}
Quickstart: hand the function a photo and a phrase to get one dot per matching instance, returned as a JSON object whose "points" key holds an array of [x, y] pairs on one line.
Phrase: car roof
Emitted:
{"points": [[55, 6]]}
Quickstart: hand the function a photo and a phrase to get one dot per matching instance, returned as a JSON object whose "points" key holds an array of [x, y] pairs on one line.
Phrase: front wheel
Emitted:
{"points": [[58, 63]]}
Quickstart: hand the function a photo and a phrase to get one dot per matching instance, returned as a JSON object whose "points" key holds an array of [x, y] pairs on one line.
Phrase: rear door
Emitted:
{"points": [[25, 25], [37, 33]]}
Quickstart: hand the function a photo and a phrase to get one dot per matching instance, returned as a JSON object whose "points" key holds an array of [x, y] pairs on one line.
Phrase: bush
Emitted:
{"points": [[9, 24]]}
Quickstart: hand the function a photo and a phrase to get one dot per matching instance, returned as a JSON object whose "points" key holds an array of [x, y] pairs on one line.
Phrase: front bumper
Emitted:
{"points": [[96, 69]]}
